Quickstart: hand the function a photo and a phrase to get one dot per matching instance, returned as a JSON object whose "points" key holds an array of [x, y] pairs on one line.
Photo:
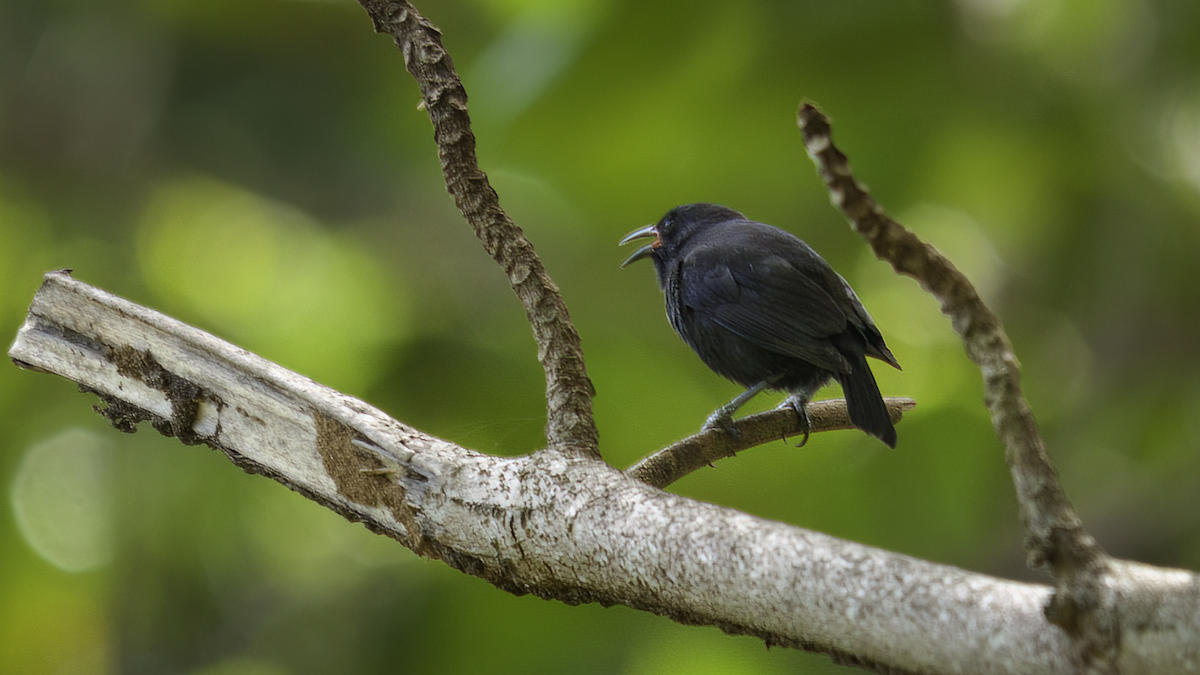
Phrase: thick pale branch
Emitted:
{"points": [[699, 450], [569, 424], [1055, 533], [574, 529], [549, 524]]}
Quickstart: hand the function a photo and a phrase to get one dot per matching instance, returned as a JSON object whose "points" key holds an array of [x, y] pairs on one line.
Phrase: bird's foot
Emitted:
{"points": [[800, 405], [722, 420]]}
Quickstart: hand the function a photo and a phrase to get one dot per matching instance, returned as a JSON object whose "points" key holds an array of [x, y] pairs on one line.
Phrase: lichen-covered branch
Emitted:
{"points": [[569, 425], [561, 527], [575, 529], [1055, 534]]}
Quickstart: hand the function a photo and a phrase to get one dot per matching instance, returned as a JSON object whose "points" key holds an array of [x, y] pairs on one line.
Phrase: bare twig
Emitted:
{"points": [[569, 424], [1055, 534], [699, 450]]}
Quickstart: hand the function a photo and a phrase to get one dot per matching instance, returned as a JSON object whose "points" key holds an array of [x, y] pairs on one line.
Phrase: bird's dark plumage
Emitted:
{"points": [[763, 309]]}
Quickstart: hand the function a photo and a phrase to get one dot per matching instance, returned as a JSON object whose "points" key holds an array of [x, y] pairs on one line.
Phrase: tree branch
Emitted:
{"points": [[574, 529], [1055, 534], [569, 423], [702, 449]]}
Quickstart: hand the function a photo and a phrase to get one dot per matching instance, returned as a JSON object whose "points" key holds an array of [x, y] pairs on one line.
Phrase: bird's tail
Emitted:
{"points": [[864, 402]]}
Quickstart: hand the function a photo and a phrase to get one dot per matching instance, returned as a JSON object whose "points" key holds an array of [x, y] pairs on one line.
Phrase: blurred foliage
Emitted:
{"points": [[259, 168]]}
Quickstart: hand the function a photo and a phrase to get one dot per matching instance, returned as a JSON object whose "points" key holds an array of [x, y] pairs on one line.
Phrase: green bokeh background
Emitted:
{"points": [[259, 168]]}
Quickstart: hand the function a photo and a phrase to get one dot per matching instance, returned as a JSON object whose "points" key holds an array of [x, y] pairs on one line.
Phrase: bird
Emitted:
{"points": [[761, 308]]}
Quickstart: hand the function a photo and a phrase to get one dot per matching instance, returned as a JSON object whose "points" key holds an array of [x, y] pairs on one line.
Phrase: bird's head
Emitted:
{"points": [[675, 228]]}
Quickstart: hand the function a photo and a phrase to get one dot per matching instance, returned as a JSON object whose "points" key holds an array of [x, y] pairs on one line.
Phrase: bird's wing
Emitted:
{"points": [[766, 300], [862, 320]]}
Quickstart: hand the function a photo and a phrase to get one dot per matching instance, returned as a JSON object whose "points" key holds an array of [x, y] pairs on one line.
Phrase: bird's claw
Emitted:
{"points": [[800, 406], [722, 420]]}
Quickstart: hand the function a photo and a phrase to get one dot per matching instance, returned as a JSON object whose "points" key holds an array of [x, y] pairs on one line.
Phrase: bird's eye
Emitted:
{"points": [[667, 224]]}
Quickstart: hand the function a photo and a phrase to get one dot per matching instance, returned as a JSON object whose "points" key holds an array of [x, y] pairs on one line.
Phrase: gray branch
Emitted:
{"points": [[574, 529]]}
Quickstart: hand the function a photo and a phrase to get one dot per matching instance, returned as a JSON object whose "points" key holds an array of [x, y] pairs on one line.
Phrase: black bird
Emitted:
{"points": [[761, 308]]}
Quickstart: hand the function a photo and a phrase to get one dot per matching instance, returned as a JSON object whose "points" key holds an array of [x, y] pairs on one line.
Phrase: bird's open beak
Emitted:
{"points": [[645, 251]]}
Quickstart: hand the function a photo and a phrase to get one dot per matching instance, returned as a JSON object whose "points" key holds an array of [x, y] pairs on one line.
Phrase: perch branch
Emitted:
{"points": [[1055, 534], [569, 423], [699, 450]]}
